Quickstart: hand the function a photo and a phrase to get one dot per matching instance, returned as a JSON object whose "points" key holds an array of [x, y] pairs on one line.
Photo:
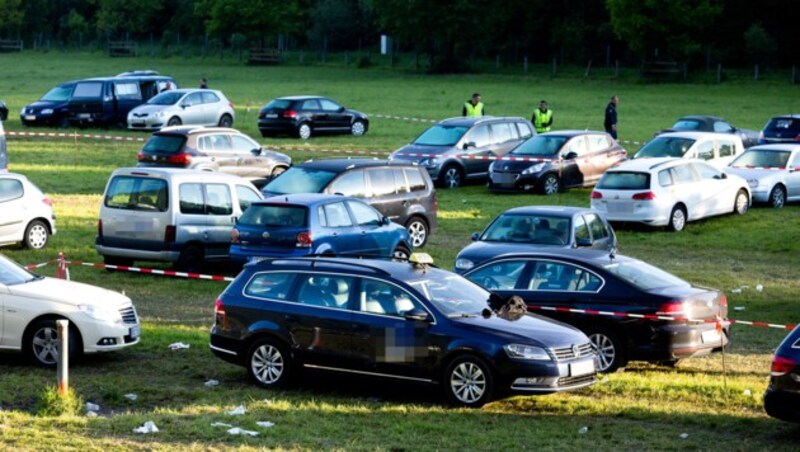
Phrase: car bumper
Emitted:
{"points": [[507, 182], [679, 341], [783, 405], [548, 376], [277, 126], [760, 195], [645, 213], [37, 120], [99, 336], [146, 123], [127, 253], [241, 256]]}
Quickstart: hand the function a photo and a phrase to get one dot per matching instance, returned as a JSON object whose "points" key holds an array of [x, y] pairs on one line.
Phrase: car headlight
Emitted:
{"points": [[531, 352], [22, 111], [98, 313], [753, 183], [464, 264], [47, 111], [533, 169], [431, 161]]}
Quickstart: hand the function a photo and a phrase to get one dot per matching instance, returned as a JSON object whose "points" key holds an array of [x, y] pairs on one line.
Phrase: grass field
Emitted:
{"points": [[699, 405]]}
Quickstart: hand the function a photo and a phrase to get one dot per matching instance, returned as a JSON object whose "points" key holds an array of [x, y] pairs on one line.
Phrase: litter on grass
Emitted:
{"points": [[211, 383], [238, 411], [178, 346], [148, 427], [265, 424], [221, 424], [241, 431], [583, 430], [131, 396], [92, 407], [684, 435]]}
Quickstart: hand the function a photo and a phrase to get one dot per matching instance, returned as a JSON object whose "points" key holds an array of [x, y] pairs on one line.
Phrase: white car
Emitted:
{"points": [[100, 320], [771, 171], [26, 214], [200, 107], [668, 192], [718, 149]]}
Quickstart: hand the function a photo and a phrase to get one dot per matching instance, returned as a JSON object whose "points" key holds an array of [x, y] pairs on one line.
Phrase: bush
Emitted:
{"points": [[51, 403]]}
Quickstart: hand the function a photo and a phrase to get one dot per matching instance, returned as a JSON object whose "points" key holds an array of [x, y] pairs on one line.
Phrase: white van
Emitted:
{"points": [[169, 214], [717, 149]]}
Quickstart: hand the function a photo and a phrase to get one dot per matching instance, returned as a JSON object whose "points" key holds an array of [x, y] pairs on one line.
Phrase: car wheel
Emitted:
{"points": [[610, 355], [401, 253], [174, 121], [677, 219], [226, 121], [191, 259], [36, 235], [741, 203], [358, 128], [551, 185], [777, 197], [418, 229], [468, 382], [41, 345], [304, 131], [452, 176], [268, 363]]}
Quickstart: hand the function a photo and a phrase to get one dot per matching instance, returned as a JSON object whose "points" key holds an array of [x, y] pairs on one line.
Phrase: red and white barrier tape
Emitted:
{"points": [[72, 135], [404, 118], [479, 157], [43, 264], [153, 271]]}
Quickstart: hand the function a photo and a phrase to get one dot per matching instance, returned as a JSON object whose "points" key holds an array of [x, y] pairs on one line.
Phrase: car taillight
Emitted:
{"points": [[304, 240], [597, 195], [261, 115], [169, 234], [234, 236], [230, 104], [672, 308], [781, 366], [100, 229], [644, 196], [180, 159], [289, 114], [797, 138], [723, 301], [47, 201], [219, 311], [140, 156]]}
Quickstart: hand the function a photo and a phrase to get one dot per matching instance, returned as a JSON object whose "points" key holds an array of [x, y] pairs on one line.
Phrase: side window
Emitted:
{"points": [[706, 171], [576, 145], [597, 227], [311, 104], [127, 91], [381, 181], [336, 215], [275, 286], [415, 180], [10, 189], [723, 127], [524, 131], [598, 143], [501, 132], [205, 143], [480, 136], [209, 97], [378, 297], [191, 199], [350, 183], [502, 275], [330, 291], [726, 148], [364, 215], [242, 144], [329, 105], [705, 150], [323, 220], [795, 163], [220, 142], [581, 229], [400, 184], [218, 199], [193, 99], [683, 174], [246, 196], [665, 178], [135, 193], [556, 276]]}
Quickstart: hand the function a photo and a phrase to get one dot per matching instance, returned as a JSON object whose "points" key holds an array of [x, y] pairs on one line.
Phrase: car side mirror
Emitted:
{"points": [[385, 221], [571, 155], [583, 243], [469, 144], [475, 236], [183, 106], [256, 151], [721, 176], [417, 314], [341, 109]]}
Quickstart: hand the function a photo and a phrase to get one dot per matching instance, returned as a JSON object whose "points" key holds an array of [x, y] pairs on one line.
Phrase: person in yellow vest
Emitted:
{"points": [[473, 107], [542, 118]]}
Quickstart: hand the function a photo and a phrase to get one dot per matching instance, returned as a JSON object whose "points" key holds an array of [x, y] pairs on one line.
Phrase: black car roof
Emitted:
{"points": [[303, 97], [403, 271], [126, 78], [596, 258], [339, 165]]}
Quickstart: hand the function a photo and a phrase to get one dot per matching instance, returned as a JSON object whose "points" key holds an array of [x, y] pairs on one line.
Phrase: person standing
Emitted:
{"points": [[473, 107], [542, 118], [610, 121], [203, 83]]}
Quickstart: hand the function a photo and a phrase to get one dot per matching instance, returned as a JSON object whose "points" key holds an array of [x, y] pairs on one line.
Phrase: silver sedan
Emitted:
{"points": [[204, 107]]}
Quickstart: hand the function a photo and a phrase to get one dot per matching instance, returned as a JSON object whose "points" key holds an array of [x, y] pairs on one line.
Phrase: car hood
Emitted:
{"points": [[69, 293], [150, 109], [41, 104], [529, 329], [519, 166], [762, 175], [276, 156], [482, 251], [420, 152]]}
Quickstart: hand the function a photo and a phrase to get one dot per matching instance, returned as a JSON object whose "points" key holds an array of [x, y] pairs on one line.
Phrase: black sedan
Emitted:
{"points": [[533, 228], [3, 111], [703, 123], [782, 399], [304, 116], [597, 281]]}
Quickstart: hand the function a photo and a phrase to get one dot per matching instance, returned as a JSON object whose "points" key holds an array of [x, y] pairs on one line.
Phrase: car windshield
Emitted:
{"points": [[441, 135], [624, 180], [766, 158], [686, 124], [269, 215], [58, 94], [665, 147], [299, 180], [453, 295], [167, 98], [537, 229], [169, 144], [540, 145], [12, 274], [643, 275]]}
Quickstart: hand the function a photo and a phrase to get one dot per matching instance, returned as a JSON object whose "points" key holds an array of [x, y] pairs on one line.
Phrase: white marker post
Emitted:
{"points": [[62, 327]]}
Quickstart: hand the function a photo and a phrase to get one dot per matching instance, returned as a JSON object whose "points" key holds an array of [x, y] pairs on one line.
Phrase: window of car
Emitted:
{"points": [[706, 172], [279, 104], [166, 98], [310, 104], [624, 180], [275, 215], [209, 97], [191, 199], [336, 215], [246, 196], [783, 124], [379, 297], [441, 135], [318, 290], [137, 193], [598, 143], [351, 183], [683, 174], [240, 143], [329, 105], [10, 189], [216, 142], [363, 214], [563, 277], [480, 136], [300, 180], [127, 91], [598, 228], [723, 127], [193, 99], [704, 151], [415, 180], [665, 178], [88, 89], [452, 294], [501, 132], [218, 199], [686, 124], [795, 161], [524, 129], [540, 145], [576, 145], [400, 183], [727, 148], [665, 147], [502, 275], [58, 94], [762, 158], [12, 274], [581, 229], [272, 286], [643, 275], [170, 144], [382, 181]]}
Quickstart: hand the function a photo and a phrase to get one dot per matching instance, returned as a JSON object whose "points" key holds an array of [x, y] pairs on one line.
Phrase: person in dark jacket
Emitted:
{"points": [[610, 121], [203, 83]]}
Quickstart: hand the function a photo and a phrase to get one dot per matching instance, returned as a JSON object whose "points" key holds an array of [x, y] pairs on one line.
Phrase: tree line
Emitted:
{"points": [[449, 34]]}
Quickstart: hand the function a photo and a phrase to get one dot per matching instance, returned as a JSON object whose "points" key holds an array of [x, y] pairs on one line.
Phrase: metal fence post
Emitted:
{"points": [[62, 327]]}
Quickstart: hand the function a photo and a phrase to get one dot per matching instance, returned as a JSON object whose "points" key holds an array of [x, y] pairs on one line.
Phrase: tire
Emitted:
{"points": [[304, 131], [741, 203], [677, 219], [41, 343], [777, 197], [191, 259], [358, 128], [174, 121], [226, 121], [264, 134], [268, 363], [468, 382], [401, 253], [551, 185], [452, 176], [36, 235], [610, 354], [418, 229]]}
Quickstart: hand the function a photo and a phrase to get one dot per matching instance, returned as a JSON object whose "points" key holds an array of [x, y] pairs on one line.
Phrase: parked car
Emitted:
{"points": [[599, 281], [100, 320], [533, 228], [781, 129], [668, 192], [782, 398], [204, 107], [52, 109], [772, 172], [718, 149], [3, 111], [3, 149], [106, 101], [458, 149], [26, 214], [304, 116], [170, 215], [553, 161], [212, 149], [401, 191], [704, 123], [395, 321], [316, 224]]}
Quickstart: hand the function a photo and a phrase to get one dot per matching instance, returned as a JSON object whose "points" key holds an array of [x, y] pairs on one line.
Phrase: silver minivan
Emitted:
{"points": [[171, 215]]}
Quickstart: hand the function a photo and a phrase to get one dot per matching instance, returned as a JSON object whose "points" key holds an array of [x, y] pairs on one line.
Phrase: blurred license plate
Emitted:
{"points": [[84, 115], [271, 115], [30, 117], [581, 368], [710, 336], [138, 124], [619, 207], [136, 331]]}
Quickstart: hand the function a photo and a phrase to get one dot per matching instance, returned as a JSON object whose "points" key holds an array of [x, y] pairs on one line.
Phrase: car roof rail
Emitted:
{"points": [[314, 261]]}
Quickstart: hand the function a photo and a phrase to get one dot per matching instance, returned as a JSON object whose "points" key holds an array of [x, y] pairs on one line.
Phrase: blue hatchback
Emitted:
{"points": [[315, 224]]}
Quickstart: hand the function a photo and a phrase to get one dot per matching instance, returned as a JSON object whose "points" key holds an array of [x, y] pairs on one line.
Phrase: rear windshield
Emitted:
{"points": [[168, 98], [762, 158], [169, 144], [665, 147], [299, 180], [644, 276], [624, 180], [137, 193], [541, 229], [686, 124], [58, 94], [441, 135], [543, 146], [279, 104], [270, 215], [93, 89], [783, 124]]}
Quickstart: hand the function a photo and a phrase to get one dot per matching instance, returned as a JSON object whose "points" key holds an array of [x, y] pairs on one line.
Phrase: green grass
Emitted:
{"points": [[645, 407]]}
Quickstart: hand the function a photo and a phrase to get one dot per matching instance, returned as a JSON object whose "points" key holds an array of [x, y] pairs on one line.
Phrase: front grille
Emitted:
{"points": [[504, 178], [572, 381], [128, 314], [140, 115], [570, 352]]}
